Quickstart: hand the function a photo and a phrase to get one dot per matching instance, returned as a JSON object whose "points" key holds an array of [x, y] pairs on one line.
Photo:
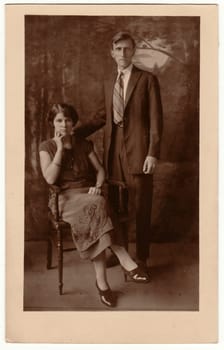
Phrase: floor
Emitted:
{"points": [[174, 270]]}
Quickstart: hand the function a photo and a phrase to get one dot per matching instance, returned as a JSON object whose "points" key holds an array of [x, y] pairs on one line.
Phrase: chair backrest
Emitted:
{"points": [[53, 201], [118, 196]]}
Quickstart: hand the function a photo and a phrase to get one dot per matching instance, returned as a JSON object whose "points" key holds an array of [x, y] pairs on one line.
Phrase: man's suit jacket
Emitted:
{"points": [[142, 118]]}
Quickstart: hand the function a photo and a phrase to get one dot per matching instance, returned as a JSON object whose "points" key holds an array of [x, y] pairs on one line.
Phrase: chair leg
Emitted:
{"points": [[60, 260], [49, 253]]}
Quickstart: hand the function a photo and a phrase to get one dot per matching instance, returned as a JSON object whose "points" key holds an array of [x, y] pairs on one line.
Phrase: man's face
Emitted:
{"points": [[122, 52]]}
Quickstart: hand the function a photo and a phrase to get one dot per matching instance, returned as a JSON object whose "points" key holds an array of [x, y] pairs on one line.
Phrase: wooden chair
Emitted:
{"points": [[115, 192], [58, 229]]}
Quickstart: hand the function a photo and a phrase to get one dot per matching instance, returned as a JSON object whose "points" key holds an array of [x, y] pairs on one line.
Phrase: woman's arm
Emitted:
{"points": [[100, 173], [50, 168]]}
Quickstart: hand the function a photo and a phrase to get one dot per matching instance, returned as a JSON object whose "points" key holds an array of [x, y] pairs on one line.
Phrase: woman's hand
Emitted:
{"points": [[100, 174], [58, 140], [95, 190]]}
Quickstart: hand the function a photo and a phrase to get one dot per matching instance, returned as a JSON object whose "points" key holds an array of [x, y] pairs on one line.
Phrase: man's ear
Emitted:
{"points": [[112, 53], [134, 50]]}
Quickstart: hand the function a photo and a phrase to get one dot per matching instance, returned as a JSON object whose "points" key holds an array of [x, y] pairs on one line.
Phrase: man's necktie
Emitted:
{"points": [[118, 100]]}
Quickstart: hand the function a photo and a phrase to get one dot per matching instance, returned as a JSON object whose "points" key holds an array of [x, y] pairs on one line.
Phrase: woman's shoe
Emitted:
{"points": [[137, 275], [107, 297]]}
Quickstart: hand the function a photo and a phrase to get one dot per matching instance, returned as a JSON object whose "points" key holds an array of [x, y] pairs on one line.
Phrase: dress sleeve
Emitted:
{"points": [[48, 146], [44, 147]]}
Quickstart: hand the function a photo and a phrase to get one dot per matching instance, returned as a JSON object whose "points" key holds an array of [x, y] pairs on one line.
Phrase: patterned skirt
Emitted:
{"points": [[88, 217]]}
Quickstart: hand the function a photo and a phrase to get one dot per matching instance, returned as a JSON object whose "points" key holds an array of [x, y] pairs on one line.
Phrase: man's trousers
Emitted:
{"points": [[140, 188]]}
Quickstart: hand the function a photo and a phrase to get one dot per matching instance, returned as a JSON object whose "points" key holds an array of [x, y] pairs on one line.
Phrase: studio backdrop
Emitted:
{"points": [[66, 58]]}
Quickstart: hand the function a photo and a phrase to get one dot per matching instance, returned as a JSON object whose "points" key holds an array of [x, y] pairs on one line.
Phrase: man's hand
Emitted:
{"points": [[149, 165]]}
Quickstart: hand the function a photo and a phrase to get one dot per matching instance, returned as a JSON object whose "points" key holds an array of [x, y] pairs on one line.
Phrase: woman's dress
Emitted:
{"points": [[86, 213]]}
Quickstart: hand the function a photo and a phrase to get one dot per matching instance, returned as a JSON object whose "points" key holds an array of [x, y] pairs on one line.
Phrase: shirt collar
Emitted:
{"points": [[126, 70]]}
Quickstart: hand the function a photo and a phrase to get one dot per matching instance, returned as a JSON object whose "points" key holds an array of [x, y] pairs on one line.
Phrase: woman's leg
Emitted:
{"points": [[125, 259], [131, 269], [106, 295], [100, 270]]}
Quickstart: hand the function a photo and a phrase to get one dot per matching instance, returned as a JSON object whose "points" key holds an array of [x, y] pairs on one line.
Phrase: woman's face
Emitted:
{"points": [[63, 125]]}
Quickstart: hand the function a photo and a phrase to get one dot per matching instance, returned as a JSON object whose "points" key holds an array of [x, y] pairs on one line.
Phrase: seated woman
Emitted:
{"points": [[71, 163]]}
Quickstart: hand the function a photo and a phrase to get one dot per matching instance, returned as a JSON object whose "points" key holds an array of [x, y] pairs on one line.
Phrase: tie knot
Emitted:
{"points": [[120, 76]]}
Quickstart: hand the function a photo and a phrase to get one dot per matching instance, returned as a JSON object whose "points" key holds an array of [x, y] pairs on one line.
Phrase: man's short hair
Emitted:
{"points": [[123, 36]]}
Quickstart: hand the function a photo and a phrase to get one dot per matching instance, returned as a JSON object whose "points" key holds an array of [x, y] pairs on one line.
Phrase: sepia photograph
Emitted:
{"points": [[125, 184], [113, 169]]}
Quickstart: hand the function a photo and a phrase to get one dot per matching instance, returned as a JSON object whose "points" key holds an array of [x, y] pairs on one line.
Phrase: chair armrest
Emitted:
{"points": [[120, 184]]}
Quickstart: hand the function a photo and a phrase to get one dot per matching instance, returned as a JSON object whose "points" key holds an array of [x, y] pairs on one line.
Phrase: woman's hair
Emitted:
{"points": [[66, 109]]}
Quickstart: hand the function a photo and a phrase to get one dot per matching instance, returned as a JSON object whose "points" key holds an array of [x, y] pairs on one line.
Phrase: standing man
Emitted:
{"points": [[131, 111]]}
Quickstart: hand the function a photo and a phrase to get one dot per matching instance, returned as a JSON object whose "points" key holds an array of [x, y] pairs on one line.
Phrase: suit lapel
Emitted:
{"points": [[109, 93], [135, 75], [110, 89]]}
